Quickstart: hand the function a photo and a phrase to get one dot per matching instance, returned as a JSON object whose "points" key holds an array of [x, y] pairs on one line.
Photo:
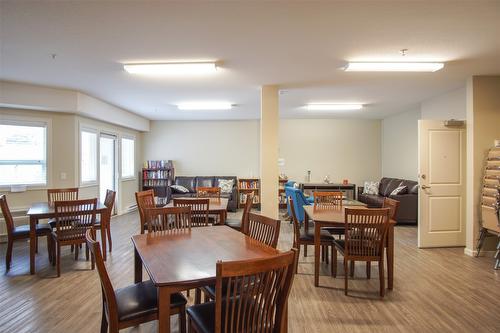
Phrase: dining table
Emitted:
{"points": [[44, 210], [183, 259], [217, 206], [335, 217]]}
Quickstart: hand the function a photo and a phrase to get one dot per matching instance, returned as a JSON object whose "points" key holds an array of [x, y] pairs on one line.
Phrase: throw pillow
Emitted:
{"points": [[400, 190], [179, 189], [371, 188], [226, 185]]}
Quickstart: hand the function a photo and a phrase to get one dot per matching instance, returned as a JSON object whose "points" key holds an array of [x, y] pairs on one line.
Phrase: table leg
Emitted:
{"points": [[137, 267], [164, 310], [33, 221], [306, 221], [104, 228], [317, 236], [390, 258], [222, 217]]}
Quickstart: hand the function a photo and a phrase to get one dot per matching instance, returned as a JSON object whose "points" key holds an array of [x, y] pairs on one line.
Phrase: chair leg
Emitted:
{"points": [[334, 261], [36, 244], [197, 296], [182, 319], [104, 322], [110, 242], [49, 248], [58, 259], [480, 241], [297, 261], [86, 252], [322, 253], [352, 268], [368, 270], [381, 276], [8, 255], [327, 255], [305, 250], [346, 276]]}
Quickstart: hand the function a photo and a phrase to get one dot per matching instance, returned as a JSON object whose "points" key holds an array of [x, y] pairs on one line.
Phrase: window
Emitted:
{"points": [[23, 153], [88, 156], [128, 158]]}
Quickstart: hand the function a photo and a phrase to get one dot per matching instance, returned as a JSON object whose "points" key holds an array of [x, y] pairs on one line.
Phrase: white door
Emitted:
{"points": [[441, 197], [107, 166]]}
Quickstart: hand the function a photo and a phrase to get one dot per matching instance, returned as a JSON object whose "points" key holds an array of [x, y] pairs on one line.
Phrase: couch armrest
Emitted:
{"points": [[408, 207]]}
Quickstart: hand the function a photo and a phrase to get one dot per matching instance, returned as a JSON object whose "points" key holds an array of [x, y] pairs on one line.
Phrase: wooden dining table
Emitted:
{"points": [[184, 259], [217, 206], [335, 217], [42, 210]]}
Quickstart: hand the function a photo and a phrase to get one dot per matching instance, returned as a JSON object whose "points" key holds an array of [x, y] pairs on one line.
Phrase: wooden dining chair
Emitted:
{"points": [[262, 228], [306, 237], [22, 232], [144, 199], [73, 219], [103, 222], [200, 209], [365, 235], [168, 218], [60, 194], [131, 305], [237, 223], [393, 206], [251, 296], [208, 192], [330, 200]]}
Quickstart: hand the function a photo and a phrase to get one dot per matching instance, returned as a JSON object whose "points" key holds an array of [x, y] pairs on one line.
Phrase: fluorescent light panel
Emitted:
{"points": [[333, 107], [394, 66], [205, 106], [172, 68]]}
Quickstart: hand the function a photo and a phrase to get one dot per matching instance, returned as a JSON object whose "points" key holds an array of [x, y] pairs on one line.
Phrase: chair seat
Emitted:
{"points": [[203, 316], [309, 235], [233, 223], [52, 222], [24, 230], [141, 299], [335, 230]]}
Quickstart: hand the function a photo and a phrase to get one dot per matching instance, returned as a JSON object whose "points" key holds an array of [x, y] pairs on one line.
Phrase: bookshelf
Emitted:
{"points": [[246, 186], [158, 175]]}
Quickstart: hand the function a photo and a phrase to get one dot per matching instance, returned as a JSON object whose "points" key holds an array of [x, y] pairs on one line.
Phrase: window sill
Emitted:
{"points": [[128, 179]]}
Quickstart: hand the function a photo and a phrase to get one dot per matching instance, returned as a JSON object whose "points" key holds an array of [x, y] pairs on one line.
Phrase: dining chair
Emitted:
{"points": [[103, 222], [144, 199], [131, 305], [262, 228], [208, 192], [306, 237], [237, 223], [251, 296], [200, 209], [393, 206], [73, 219], [329, 200], [22, 232], [364, 240], [168, 218], [60, 194]]}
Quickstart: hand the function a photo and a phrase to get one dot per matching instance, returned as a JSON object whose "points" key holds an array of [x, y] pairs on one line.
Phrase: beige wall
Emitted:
{"points": [[483, 127], [451, 105]]}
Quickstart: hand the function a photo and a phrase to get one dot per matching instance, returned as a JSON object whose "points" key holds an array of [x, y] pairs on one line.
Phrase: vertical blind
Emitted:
{"points": [[88, 162], [128, 159]]}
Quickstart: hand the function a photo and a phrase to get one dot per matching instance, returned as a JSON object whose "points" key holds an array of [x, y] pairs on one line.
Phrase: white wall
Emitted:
{"points": [[400, 144], [204, 148], [451, 105]]}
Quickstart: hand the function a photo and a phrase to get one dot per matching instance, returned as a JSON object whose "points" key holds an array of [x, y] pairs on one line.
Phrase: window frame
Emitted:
{"points": [[95, 131], [7, 119], [134, 176]]}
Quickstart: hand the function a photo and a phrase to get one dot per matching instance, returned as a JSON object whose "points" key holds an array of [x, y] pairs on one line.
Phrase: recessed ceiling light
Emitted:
{"points": [[172, 68], [393, 66], [333, 107], [205, 106]]}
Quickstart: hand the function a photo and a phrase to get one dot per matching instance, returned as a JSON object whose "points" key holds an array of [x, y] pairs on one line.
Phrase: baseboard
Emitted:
{"points": [[473, 253]]}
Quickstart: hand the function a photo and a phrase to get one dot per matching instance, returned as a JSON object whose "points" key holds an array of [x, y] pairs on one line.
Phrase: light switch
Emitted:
{"points": [[63, 175]]}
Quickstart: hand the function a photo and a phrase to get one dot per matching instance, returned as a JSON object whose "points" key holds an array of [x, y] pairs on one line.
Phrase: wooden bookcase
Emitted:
{"points": [[158, 175], [248, 185], [282, 199]]}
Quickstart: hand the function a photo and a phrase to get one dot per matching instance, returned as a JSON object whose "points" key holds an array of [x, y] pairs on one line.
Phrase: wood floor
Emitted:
{"points": [[438, 290]]}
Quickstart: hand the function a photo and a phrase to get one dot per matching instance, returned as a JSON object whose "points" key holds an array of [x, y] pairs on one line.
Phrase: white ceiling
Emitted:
{"points": [[297, 45]]}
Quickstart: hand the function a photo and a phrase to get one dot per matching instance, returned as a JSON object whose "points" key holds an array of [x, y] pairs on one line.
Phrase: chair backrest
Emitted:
{"points": [[296, 225], [208, 192], [7, 216], [168, 218], [144, 199], [74, 218], [199, 210], [108, 293], [262, 228], [246, 210], [256, 293], [62, 194], [299, 201], [109, 202], [366, 230], [327, 199], [393, 205]]}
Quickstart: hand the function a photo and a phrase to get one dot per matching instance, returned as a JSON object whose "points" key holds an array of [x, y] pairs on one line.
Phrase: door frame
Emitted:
{"points": [[115, 137]]}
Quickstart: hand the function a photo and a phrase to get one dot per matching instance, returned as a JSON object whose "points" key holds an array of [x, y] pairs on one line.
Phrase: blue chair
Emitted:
{"points": [[299, 200]]}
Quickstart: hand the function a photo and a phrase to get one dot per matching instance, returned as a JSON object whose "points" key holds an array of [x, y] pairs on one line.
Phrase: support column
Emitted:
{"points": [[269, 171]]}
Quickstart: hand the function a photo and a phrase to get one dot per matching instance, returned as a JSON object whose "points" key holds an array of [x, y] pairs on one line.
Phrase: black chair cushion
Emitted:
{"points": [[309, 235], [233, 223], [141, 299], [24, 230], [335, 230], [203, 316]]}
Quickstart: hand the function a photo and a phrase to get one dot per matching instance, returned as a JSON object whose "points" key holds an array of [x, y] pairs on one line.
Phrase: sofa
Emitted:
{"points": [[408, 202], [191, 183]]}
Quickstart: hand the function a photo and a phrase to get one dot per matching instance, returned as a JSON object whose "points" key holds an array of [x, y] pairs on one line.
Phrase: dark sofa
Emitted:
{"points": [[191, 183], [408, 203]]}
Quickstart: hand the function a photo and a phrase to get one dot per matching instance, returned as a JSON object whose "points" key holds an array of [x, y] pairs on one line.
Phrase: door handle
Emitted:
{"points": [[425, 187]]}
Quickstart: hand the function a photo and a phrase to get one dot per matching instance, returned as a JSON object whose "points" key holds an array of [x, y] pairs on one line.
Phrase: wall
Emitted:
{"points": [[206, 147], [451, 105], [400, 145]]}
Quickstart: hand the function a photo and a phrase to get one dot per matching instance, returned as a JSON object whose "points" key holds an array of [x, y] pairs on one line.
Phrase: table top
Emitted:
{"points": [[189, 256], [43, 208], [351, 202], [215, 204], [331, 215]]}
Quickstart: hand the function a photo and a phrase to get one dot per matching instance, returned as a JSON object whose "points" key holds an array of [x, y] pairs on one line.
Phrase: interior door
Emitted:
{"points": [[441, 159], [107, 168]]}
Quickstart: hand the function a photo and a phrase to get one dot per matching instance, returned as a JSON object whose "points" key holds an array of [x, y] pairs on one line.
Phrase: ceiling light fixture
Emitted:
{"points": [[172, 68], [333, 107], [393, 66], [205, 106]]}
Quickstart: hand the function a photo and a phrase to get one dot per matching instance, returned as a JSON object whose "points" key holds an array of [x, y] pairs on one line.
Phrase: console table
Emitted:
{"points": [[348, 189]]}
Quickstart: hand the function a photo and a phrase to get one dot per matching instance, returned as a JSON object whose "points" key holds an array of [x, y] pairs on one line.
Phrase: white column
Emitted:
{"points": [[269, 171]]}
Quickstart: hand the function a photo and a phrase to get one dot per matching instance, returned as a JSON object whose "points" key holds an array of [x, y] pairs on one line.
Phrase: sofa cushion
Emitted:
{"points": [[187, 182], [179, 189], [371, 188], [411, 185], [219, 178], [204, 182], [372, 200], [226, 185], [401, 189], [387, 185]]}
